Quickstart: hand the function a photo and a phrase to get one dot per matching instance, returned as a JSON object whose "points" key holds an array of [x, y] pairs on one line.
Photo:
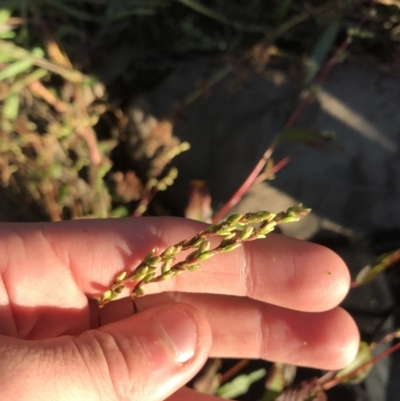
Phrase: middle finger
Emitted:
{"points": [[245, 328]]}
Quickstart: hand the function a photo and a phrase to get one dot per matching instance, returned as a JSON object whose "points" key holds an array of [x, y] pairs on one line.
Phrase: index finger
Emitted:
{"points": [[90, 253]]}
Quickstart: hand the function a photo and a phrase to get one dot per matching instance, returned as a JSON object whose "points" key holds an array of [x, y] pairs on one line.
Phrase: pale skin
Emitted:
{"points": [[273, 299]]}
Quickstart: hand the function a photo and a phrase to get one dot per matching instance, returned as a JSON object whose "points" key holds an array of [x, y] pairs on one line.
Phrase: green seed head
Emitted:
{"points": [[228, 248], [205, 246], [290, 219], [120, 277], [206, 255], [234, 218], [154, 261], [194, 267], [137, 292], [246, 233]]}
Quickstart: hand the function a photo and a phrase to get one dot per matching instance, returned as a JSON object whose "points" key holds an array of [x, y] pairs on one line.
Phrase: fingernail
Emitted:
{"points": [[179, 332]]}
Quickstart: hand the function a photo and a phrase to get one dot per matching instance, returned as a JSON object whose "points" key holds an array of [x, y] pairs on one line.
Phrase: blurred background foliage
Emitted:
{"points": [[67, 68]]}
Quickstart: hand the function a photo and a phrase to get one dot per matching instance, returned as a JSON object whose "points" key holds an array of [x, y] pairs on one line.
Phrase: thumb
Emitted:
{"points": [[147, 356]]}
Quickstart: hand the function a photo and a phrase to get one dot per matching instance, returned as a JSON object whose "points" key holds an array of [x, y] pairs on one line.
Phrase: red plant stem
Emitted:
{"points": [[377, 358], [319, 81], [233, 370], [244, 187], [387, 338], [91, 141], [274, 169], [144, 202], [41, 91], [395, 257]]}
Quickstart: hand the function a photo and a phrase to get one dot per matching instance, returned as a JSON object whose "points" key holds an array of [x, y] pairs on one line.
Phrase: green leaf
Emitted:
{"points": [[281, 12], [55, 171], [240, 385], [15, 68], [280, 376], [38, 52], [383, 262], [24, 81], [363, 356], [321, 50], [11, 107], [120, 211], [314, 138], [4, 15], [7, 35]]}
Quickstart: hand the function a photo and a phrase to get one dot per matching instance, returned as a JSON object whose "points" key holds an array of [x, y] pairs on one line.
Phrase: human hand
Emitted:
{"points": [[273, 299]]}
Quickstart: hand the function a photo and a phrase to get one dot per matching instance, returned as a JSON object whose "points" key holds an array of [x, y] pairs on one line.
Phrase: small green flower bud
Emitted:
{"points": [[227, 242], [290, 219], [118, 289], [166, 267], [154, 261], [140, 273], [234, 218], [150, 255], [108, 294], [167, 275], [225, 229], [137, 292], [152, 183], [120, 277], [206, 255], [192, 256], [171, 250], [252, 218], [264, 231], [173, 173], [152, 269], [230, 236], [168, 181], [161, 186], [303, 212], [265, 216], [197, 242], [246, 233], [193, 267], [149, 277], [212, 229], [205, 246], [228, 248], [267, 227], [184, 146]]}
